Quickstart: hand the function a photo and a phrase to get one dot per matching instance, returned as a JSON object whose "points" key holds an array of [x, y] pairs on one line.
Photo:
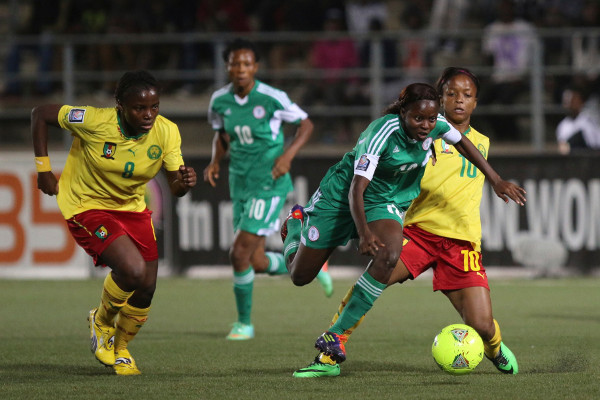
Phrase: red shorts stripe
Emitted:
{"points": [[95, 230], [456, 265]]}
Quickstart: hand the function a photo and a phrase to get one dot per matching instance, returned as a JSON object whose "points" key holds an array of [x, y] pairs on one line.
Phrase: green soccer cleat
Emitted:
{"points": [[318, 369], [324, 278], [102, 340], [505, 361], [241, 331]]}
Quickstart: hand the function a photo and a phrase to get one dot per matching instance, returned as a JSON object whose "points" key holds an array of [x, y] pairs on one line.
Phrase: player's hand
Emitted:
{"points": [[211, 174], [281, 167], [505, 189], [369, 244], [47, 183], [188, 176]]}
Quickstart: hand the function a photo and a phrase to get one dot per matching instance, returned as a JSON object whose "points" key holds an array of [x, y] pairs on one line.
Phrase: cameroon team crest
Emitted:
{"points": [[154, 152], [109, 150], [102, 233]]}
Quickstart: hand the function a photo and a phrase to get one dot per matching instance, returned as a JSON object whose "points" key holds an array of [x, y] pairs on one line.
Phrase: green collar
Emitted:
{"points": [[124, 131]]}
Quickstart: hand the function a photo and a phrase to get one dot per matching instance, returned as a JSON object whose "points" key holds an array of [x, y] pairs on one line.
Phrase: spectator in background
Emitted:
{"points": [[293, 16], [586, 48], [447, 16], [411, 51], [508, 42], [365, 16], [47, 19], [580, 129], [332, 56]]}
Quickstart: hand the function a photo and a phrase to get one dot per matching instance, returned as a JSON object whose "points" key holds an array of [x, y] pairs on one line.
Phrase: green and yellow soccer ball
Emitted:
{"points": [[457, 349]]}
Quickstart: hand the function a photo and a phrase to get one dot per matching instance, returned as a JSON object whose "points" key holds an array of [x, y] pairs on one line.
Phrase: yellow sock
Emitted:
{"points": [[348, 331], [111, 301], [129, 323], [492, 347]]}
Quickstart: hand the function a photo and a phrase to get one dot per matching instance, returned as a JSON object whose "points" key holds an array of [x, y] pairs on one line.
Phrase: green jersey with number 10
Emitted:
{"points": [[254, 125]]}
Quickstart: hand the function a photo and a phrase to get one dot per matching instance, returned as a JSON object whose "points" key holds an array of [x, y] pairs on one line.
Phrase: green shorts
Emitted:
{"points": [[328, 225], [258, 215]]}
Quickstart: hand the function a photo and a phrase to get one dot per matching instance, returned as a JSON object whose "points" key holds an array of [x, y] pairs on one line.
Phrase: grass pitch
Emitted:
{"points": [[552, 326]]}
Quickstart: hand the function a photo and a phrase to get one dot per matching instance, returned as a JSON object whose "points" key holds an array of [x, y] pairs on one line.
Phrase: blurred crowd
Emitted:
{"points": [[508, 25]]}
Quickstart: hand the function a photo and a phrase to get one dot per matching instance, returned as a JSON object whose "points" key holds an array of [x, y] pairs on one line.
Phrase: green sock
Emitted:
{"points": [[276, 264], [292, 241], [243, 283], [366, 291]]}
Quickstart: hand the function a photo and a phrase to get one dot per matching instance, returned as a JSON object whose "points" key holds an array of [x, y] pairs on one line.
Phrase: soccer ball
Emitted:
{"points": [[457, 349]]}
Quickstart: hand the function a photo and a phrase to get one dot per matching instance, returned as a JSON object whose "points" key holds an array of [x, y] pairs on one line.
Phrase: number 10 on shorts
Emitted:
{"points": [[470, 260]]}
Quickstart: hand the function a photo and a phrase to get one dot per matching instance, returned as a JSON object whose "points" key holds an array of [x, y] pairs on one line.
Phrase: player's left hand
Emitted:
{"points": [[505, 189], [188, 176], [281, 167]]}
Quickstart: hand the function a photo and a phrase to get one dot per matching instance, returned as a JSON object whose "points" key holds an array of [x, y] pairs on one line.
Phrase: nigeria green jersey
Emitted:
{"points": [[254, 125], [390, 159]]}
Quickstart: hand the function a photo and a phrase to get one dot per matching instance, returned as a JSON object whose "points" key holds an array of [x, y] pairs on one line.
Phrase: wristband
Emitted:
{"points": [[42, 164]]}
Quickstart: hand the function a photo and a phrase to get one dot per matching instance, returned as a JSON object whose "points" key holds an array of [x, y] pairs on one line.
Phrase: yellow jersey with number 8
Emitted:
{"points": [[106, 169]]}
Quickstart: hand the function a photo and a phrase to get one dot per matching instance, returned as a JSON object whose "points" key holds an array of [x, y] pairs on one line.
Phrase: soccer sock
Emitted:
{"points": [[292, 241], [276, 264], [347, 332], [129, 323], [492, 347], [364, 293], [324, 270], [243, 283], [111, 301]]}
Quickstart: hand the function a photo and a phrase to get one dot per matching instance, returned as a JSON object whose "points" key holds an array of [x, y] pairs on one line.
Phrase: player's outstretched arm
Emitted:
{"points": [[502, 188]]}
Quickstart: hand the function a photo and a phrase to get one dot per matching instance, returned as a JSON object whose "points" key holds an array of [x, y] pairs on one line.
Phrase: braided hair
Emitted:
{"points": [[411, 94], [135, 81]]}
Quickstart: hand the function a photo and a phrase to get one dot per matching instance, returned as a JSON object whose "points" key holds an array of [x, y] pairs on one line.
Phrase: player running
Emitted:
{"points": [[247, 115], [115, 152], [364, 196]]}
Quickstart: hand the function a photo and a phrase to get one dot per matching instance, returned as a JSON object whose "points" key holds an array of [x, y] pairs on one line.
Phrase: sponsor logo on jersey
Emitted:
{"points": [[228, 111], [363, 163], [76, 115], [427, 143], [446, 149], [396, 150], [313, 233], [109, 150], [102, 233], [258, 112], [132, 151], [154, 152]]}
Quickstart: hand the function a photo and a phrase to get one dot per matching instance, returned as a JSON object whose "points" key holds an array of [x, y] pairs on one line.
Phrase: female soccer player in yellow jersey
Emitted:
{"points": [[442, 229], [100, 193]]}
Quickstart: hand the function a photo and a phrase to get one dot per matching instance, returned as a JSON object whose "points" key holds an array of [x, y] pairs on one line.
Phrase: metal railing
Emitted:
{"points": [[74, 75]]}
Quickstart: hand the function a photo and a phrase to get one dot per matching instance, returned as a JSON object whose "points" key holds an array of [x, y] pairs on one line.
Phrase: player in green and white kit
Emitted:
{"points": [[364, 196], [247, 116]]}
